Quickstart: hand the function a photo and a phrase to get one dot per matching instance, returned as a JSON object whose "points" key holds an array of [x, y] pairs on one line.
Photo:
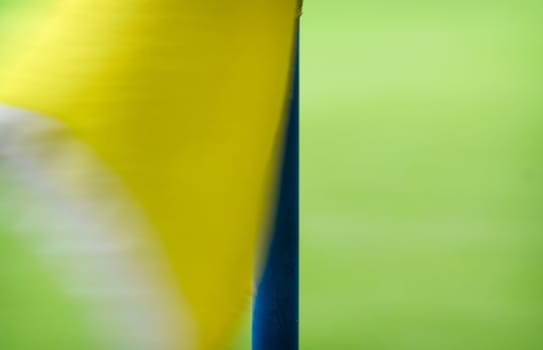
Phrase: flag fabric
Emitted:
{"points": [[139, 143]]}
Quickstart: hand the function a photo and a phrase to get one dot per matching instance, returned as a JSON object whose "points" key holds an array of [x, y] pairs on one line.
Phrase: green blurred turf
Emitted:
{"points": [[422, 175]]}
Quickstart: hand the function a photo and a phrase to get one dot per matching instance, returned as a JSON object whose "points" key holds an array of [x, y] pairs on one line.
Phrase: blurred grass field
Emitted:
{"points": [[422, 175]]}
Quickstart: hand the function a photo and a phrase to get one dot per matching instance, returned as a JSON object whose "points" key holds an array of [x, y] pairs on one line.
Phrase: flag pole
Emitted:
{"points": [[275, 314]]}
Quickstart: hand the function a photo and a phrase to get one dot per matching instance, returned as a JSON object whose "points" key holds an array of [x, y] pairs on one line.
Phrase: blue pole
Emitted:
{"points": [[275, 314]]}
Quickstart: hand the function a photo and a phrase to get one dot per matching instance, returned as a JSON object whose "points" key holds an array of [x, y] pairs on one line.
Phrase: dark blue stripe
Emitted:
{"points": [[275, 315]]}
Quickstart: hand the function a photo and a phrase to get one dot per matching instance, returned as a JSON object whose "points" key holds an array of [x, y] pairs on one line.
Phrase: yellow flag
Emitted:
{"points": [[160, 122]]}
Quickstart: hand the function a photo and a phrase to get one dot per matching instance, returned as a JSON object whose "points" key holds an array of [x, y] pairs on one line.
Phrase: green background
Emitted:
{"points": [[422, 175], [421, 183]]}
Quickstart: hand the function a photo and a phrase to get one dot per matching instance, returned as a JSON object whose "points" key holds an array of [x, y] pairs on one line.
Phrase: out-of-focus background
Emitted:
{"points": [[422, 175]]}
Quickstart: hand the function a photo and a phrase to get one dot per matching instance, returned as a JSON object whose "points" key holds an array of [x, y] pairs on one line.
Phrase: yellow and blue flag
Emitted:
{"points": [[139, 142]]}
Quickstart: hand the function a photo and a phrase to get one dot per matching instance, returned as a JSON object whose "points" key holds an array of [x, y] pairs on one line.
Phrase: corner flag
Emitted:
{"points": [[139, 146]]}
